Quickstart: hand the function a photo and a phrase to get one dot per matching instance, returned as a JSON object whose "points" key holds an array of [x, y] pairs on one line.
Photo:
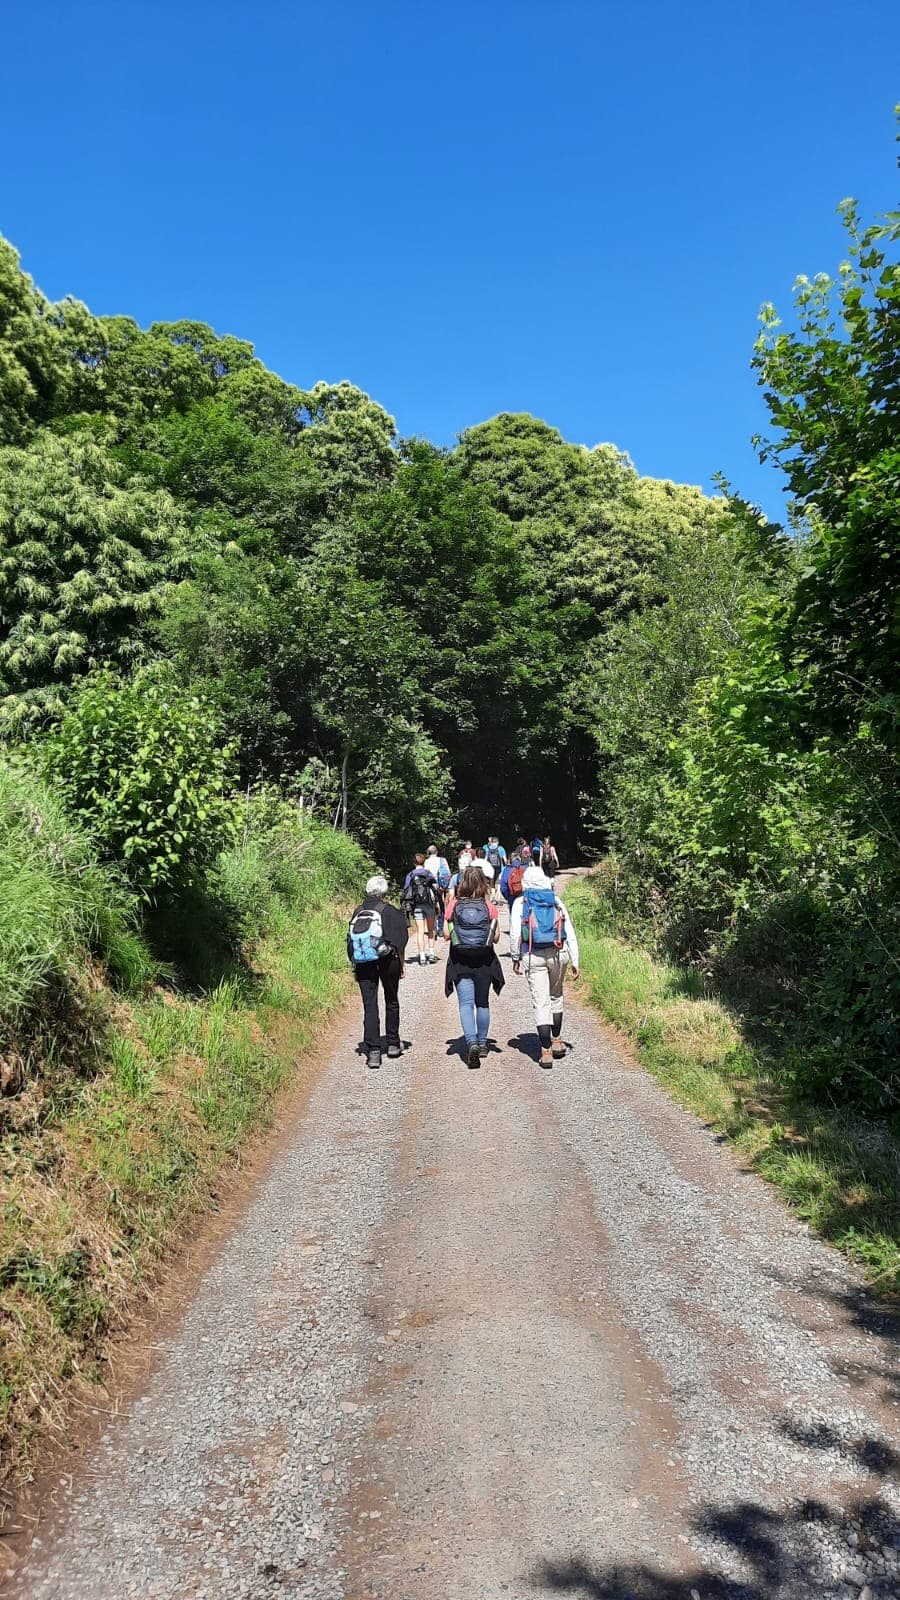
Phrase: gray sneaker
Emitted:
{"points": [[374, 1058]]}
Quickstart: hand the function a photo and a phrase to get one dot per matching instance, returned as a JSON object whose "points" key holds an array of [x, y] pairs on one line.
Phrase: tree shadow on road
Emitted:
{"points": [[802, 1551]]}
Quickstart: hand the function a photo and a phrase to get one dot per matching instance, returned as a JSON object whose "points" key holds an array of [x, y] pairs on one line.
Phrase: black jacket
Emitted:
{"points": [[393, 923]]}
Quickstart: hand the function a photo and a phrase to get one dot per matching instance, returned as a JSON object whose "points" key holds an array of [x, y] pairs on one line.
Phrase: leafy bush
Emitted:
{"points": [[141, 764]]}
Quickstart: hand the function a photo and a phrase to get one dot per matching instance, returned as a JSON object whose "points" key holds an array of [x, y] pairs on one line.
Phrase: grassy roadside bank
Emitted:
{"points": [[136, 1100], [838, 1172]]}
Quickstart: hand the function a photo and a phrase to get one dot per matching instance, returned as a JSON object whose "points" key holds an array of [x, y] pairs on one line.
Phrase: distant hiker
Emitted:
{"points": [[537, 845], [421, 900], [549, 858], [511, 879], [495, 854], [376, 941], [523, 850], [439, 867], [542, 935], [473, 928]]}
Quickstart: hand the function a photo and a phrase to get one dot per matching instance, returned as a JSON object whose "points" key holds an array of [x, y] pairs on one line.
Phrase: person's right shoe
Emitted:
{"points": [[373, 1058], [473, 1058], [482, 1048], [395, 1049], [558, 1048], [546, 1058]]}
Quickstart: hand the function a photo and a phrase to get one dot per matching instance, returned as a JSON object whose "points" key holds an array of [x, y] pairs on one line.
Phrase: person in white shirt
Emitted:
{"points": [[542, 937]]}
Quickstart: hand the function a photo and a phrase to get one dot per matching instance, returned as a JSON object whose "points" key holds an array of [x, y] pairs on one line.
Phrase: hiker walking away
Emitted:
{"points": [[549, 858], [420, 900], [495, 855], [511, 879], [439, 867], [542, 937], [523, 850], [473, 927], [537, 845], [376, 941]]}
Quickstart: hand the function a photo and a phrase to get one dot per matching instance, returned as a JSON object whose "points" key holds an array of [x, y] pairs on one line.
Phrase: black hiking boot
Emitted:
{"points": [[483, 1050], [473, 1057], [373, 1058]]}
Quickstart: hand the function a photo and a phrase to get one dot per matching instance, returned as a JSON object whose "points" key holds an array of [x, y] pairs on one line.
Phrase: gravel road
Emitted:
{"points": [[482, 1335]]}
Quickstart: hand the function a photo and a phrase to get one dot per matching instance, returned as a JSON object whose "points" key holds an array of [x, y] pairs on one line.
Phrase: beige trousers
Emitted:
{"points": [[545, 971]]}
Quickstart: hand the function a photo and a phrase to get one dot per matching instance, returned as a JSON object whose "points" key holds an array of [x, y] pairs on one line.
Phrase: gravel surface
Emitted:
{"points": [[500, 1333]]}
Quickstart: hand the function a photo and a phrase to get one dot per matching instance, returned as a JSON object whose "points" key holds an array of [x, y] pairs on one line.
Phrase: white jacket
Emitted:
{"points": [[515, 930]]}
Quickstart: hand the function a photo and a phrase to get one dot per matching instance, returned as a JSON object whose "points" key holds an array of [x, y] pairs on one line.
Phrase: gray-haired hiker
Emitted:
{"points": [[376, 941], [542, 936]]}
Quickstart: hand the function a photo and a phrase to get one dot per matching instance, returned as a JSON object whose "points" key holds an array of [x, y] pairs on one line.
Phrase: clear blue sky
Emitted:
{"points": [[573, 209]]}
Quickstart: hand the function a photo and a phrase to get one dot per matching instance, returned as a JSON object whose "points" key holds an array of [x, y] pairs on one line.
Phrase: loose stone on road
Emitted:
{"points": [[499, 1333]]}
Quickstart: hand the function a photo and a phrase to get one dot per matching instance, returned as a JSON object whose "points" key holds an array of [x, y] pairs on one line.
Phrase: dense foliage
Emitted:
{"points": [[211, 579]]}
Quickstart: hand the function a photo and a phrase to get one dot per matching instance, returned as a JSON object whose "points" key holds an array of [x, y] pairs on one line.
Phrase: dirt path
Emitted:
{"points": [[501, 1333]]}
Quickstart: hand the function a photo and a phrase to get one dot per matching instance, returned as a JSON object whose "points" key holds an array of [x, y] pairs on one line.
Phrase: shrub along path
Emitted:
{"points": [[497, 1334]]}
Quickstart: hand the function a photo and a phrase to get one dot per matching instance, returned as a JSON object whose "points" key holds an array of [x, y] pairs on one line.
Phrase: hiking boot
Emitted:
{"points": [[473, 1058], [482, 1048], [432, 958], [423, 960], [373, 1058], [558, 1049], [395, 1049], [546, 1058]]}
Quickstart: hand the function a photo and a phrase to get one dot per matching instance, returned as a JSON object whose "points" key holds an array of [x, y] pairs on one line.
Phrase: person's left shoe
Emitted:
{"points": [[546, 1058], [473, 1058], [558, 1049], [374, 1058]]}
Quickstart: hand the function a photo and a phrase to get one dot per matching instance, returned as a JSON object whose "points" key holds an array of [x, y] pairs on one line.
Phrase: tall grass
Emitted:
{"points": [[840, 1172], [57, 906]]}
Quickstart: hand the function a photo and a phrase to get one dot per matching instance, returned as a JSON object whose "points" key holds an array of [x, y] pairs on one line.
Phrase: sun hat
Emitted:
{"points": [[535, 878]]}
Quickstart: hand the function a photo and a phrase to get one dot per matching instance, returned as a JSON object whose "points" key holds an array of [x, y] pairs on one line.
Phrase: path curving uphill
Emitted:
{"points": [[492, 1334]]}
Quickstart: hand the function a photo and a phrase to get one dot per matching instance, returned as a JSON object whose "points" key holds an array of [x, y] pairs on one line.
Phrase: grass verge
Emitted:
{"points": [[839, 1172], [101, 1172]]}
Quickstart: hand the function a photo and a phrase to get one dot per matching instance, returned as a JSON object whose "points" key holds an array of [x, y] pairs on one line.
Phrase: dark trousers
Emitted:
{"points": [[368, 974]]}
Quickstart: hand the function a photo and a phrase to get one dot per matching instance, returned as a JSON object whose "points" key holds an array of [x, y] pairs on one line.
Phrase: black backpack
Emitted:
{"points": [[421, 890]]}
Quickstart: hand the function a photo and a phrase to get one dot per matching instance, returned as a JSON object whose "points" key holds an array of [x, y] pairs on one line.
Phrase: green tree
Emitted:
{"points": [[86, 559]]}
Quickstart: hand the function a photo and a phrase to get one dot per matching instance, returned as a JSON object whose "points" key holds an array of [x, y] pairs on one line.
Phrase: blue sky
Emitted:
{"points": [[573, 209]]}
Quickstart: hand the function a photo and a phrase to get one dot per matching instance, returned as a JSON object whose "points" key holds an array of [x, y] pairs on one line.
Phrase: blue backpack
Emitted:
{"points": [[543, 923], [366, 935], [471, 924]]}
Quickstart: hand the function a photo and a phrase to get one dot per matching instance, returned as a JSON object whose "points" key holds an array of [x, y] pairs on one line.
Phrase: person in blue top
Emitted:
{"points": [[537, 846], [495, 854]]}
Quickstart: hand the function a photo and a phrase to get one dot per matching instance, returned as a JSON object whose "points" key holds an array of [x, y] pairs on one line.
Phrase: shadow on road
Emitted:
{"points": [[801, 1552]]}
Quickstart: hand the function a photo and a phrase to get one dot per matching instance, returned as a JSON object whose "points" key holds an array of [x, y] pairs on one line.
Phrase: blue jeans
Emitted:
{"points": [[475, 1020]]}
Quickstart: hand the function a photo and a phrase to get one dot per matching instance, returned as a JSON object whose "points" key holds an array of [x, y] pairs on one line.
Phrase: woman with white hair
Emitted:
{"points": [[376, 942], [542, 937]]}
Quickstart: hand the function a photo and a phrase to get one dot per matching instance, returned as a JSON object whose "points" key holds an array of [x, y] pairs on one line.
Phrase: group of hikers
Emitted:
{"points": [[462, 908]]}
